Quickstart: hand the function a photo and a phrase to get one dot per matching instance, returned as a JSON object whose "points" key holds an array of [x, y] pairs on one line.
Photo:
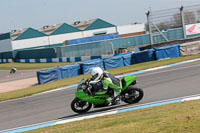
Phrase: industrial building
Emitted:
{"points": [[57, 35]]}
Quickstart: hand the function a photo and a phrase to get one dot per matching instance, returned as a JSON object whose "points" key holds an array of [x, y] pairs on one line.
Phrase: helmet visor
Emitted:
{"points": [[94, 76]]}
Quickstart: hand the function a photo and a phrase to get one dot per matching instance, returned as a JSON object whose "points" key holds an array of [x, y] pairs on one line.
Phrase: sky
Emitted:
{"points": [[19, 14]]}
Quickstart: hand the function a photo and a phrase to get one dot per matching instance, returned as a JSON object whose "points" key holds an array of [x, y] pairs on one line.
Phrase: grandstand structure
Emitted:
{"points": [[60, 35]]}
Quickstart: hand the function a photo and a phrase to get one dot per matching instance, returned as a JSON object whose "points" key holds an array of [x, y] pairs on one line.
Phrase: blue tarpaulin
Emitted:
{"points": [[167, 52], [128, 59], [92, 39], [114, 62], [86, 66], [48, 75], [70, 70], [143, 56]]}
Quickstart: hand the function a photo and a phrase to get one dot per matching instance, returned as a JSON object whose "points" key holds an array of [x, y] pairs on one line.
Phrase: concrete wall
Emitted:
{"points": [[90, 33], [55, 39], [127, 29], [29, 43], [5, 45]]}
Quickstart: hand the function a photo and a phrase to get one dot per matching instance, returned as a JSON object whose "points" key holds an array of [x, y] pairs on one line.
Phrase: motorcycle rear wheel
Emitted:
{"points": [[79, 106], [132, 94]]}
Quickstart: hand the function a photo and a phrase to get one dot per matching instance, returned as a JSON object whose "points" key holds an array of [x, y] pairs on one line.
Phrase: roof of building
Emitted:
{"points": [[83, 24], [16, 33], [92, 24], [64, 28], [98, 24], [4, 36], [61, 28], [29, 33], [48, 29]]}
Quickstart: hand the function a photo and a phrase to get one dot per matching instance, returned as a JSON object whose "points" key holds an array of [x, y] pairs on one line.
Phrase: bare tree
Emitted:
{"points": [[176, 19], [163, 25], [189, 17]]}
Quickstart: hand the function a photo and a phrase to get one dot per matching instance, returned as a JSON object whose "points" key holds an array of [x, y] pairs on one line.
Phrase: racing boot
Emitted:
{"points": [[116, 100], [108, 102]]}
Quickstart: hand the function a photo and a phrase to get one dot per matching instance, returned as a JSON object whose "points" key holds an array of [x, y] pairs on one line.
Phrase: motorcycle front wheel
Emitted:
{"points": [[80, 106], [132, 94]]}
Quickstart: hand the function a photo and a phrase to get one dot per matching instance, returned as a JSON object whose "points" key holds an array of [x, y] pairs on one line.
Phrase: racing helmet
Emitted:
{"points": [[96, 73]]}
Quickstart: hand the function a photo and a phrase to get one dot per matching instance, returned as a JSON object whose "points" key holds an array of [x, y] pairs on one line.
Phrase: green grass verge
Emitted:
{"points": [[31, 66], [74, 80], [172, 118]]}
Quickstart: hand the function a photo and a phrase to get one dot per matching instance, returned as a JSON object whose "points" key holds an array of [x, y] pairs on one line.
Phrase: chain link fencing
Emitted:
{"points": [[169, 24]]}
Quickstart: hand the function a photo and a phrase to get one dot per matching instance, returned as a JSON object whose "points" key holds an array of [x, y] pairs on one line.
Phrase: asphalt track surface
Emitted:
{"points": [[20, 74], [173, 82]]}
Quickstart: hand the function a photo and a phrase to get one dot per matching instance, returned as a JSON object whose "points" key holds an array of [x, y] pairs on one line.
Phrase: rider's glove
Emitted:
{"points": [[87, 82]]}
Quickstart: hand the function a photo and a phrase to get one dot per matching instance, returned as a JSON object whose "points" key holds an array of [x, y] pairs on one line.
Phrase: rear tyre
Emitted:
{"points": [[132, 94], [80, 106]]}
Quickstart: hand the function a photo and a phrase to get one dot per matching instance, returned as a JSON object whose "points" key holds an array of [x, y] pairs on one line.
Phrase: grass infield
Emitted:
{"points": [[31, 66], [74, 80], [172, 118]]}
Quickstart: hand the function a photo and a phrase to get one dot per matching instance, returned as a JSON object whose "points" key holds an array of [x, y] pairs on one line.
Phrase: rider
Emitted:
{"points": [[13, 70], [105, 80]]}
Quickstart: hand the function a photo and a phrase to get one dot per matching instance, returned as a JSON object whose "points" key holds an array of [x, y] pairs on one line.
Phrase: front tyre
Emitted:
{"points": [[80, 106], [132, 94]]}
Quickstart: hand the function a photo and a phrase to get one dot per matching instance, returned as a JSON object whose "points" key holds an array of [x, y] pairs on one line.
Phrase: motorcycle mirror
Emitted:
{"points": [[80, 81]]}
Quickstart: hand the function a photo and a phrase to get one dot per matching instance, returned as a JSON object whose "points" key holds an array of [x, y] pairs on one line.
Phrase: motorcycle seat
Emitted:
{"points": [[123, 82]]}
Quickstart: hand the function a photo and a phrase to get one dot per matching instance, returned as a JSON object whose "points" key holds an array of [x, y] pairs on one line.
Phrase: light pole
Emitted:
{"points": [[149, 25], [183, 21]]}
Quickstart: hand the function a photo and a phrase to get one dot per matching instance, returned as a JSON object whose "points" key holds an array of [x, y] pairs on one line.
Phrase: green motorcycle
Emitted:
{"points": [[85, 95]]}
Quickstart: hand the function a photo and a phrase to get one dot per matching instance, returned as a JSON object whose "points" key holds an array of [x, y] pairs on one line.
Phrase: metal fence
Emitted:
{"points": [[87, 49], [106, 47], [162, 26], [158, 22]]}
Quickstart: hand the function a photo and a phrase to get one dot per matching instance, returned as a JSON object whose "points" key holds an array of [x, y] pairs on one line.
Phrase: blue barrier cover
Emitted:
{"points": [[49, 75], [143, 56], [86, 66], [128, 60], [70, 70], [114, 62], [167, 52], [92, 39]]}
